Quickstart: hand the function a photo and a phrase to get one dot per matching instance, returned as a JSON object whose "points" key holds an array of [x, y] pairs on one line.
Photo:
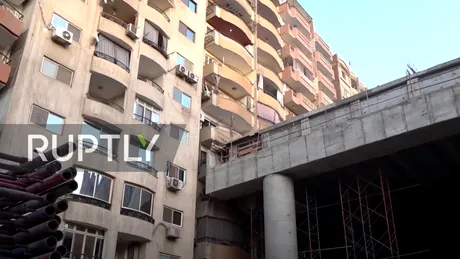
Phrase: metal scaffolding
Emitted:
{"points": [[368, 221], [314, 246]]}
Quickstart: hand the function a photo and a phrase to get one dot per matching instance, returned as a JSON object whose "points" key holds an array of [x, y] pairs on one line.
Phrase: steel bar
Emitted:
{"points": [[52, 181], [59, 235], [8, 215], [13, 158], [34, 204], [18, 195], [41, 173], [37, 217], [64, 189], [62, 250], [37, 232], [60, 151], [58, 219], [61, 206], [11, 186], [39, 247]]}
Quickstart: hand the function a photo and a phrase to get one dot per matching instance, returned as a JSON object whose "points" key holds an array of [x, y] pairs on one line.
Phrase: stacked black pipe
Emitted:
{"points": [[30, 200]]}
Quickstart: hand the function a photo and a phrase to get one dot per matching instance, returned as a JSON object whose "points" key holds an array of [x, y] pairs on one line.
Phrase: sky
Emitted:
{"points": [[380, 37]]}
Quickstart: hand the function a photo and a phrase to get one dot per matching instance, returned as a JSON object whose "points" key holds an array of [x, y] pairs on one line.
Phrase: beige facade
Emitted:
{"points": [[98, 78]]}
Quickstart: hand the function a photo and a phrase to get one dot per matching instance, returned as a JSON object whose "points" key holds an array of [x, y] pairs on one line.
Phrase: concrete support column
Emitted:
{"points": [[279, 217], [110, 244]]}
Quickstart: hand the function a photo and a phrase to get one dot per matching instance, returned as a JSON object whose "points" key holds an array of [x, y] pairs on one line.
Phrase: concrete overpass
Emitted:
{"points": [[401, 114]]}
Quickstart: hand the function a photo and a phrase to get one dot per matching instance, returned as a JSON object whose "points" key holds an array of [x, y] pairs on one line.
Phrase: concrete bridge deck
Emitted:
{"points": [[400, 114]]}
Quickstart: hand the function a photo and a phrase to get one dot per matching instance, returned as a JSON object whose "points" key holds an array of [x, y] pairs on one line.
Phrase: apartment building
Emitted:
{"points": [[99, 65], [264, 64], [346, 82]]}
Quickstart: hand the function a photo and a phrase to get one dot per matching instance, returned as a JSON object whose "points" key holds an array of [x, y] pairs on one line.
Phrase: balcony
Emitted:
{"points": [[295, 18], [5, 70], [268, 10], [231, 82], [153, 61], [229, 24], [322, 46], [324, 65], [326, 86], [211, 134], [109, 66], [151, 90], [293, 36], [115, 29], [269, 76], [162, 5], [293, 53], [269, 57], [271, 101], [158, 17], [269, 33], [224, 108], [299, 82], [105, 99], [298, 103], [322, 99], [10, 24], [240, 8], [229, 52]]}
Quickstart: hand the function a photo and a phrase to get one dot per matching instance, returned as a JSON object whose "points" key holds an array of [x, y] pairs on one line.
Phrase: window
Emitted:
{"points": [[56, 71], [172, 216], [46, 119], [176, 172], [113, 52], [179, 134], [180, 60], [61, 22], [145, 112], [191, 5], [147, 157], [182, 98], [138, 199], [166, 256], [186, 31], [82, 242], [94, 185], [96, 131], [154, 38]]}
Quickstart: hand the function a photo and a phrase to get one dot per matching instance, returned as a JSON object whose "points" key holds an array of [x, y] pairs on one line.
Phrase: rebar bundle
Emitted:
{"points": [[30, 201]]}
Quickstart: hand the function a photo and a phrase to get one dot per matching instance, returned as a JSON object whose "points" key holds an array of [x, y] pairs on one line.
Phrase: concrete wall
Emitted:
{"points": [[392, 117], [33, 87]]}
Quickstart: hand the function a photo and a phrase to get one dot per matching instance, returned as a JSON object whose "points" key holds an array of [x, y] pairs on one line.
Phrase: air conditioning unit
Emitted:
{"points": [[181, 71], [192, 78], [62, 36], [172, 233], [174, 184], [131, 31]]}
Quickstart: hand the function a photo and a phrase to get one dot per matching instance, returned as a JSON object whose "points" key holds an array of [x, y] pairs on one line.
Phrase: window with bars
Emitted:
{"points": [[82, 242], [176, 172], [138, 199], [186, 31], [46, 119], [190, 4], [172, 216], [56, 71], [182, 98], [145, 112], [179, 134], [93, 185], [63, 23]]}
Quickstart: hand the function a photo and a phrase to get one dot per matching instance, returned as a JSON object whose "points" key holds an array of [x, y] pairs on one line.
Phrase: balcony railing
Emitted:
{"points": [[111, 59], [11, 9], [143, 119], [273, 96], [99, 149], [154, 45], [151, 82], [96, 98], [149, 3], [4, 59], [114, 19], [144, 166]]}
